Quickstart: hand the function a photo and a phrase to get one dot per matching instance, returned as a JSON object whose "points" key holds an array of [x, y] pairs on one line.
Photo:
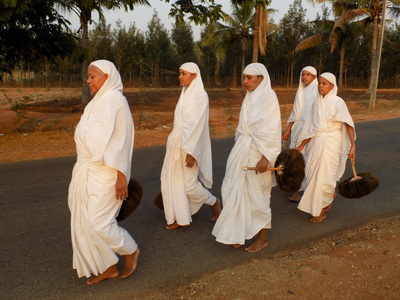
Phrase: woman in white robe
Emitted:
{"points": [[246, 194], [187, 167], [330, 138], [306, 95], [104, 144]]}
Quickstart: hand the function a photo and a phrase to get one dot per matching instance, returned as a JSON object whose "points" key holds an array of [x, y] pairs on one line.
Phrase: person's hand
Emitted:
{"points": [[121, 186], [286, 134], [303, 145], [190, 161], [352, 152], [262, 165]]}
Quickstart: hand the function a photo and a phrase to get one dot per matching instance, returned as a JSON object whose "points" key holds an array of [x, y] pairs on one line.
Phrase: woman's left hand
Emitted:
{"points": [[352, 152], [121, 186], [190, 161], [262, 165]]}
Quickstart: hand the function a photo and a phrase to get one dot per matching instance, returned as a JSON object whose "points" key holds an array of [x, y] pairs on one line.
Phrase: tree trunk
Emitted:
{"points": [[84, 20], [341, 68], [157, 74], [262, 31], [216, 73], [292, 72], [244, 52], [288, 75], [374, 83], [256, 33], [234, 75], [374, 43]]}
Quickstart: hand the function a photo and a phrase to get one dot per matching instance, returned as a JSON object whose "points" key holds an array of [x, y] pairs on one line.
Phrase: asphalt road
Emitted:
{"points": [[35, 249]]}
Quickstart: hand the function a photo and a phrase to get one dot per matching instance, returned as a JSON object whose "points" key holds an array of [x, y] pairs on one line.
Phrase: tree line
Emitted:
{"points": [[341, 39]]}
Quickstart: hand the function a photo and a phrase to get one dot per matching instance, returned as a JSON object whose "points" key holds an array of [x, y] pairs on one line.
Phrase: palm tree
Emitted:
{"points": [[216, 43], [376, 12], [260, 28], [341, 30], [260, 25], [84, 10], [238, 25]]}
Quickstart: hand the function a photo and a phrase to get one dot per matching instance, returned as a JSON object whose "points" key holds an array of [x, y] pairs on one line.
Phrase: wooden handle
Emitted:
{"points": [[255, 169], [353, 166]]}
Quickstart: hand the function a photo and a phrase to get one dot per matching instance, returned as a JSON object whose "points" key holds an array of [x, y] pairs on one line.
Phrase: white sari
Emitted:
{"points": [[327, 151], [104, 144], [245, 194], [302, 106], [182, 193]]}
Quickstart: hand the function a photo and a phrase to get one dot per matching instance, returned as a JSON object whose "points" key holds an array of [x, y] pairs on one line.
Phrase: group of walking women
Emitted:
{"points": [[319, 126]]}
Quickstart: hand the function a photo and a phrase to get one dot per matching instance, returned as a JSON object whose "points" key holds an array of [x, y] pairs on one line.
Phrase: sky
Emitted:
{"points": [[141, 15]]}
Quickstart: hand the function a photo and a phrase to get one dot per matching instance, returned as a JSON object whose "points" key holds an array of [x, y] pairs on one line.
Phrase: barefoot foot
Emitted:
{"points": [[174, 226], [260, 243], [327, 208], [130, 264], [236, 246], [111, 272], [256, 246], [295, 197], [318, 219], [216, 210]]}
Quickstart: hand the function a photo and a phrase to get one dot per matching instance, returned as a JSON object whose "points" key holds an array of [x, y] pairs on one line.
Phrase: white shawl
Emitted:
{"points": [[330, 108], [302, 106], [260, 115], [191, 119], [305, 97], [99, 118]]}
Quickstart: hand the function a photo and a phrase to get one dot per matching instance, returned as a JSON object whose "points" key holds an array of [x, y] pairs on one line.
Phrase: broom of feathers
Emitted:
{"points": [[129, 205]]}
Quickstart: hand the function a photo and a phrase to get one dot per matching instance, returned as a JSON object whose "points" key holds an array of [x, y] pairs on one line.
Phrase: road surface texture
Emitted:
{"points": [[35, 247]]}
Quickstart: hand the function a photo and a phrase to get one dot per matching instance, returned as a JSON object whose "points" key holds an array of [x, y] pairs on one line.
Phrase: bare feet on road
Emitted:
{"points": [[130, 264], [260, 243], [111, 272]]}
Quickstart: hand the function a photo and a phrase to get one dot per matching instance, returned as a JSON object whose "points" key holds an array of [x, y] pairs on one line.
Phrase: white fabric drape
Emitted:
{"points": [[182, 193], [327, 151], [104, 144], [246, 195], [302, 106]]}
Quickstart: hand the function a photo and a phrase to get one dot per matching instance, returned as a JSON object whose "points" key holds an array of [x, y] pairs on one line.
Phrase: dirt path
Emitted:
{"points": [[361, 263], [41, 124]]}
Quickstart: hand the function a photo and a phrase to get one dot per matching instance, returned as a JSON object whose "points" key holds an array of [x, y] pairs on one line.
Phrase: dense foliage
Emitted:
{"points": [[151, 58]]}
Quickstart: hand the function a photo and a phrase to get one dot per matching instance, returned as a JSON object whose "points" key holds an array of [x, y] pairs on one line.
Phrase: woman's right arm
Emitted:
{"points": [[287, 131]]}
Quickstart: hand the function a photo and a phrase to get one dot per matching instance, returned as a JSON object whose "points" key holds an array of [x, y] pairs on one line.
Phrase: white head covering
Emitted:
{"points": [[263, 92], [309, 69], [197, 83], [260, 114], [320, 117], [191, 116], [113, 81], [332, 79], [257, 69]]}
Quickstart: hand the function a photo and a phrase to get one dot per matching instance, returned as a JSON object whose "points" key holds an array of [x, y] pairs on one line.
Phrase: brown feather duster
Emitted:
{"points": [[129, 205]]}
